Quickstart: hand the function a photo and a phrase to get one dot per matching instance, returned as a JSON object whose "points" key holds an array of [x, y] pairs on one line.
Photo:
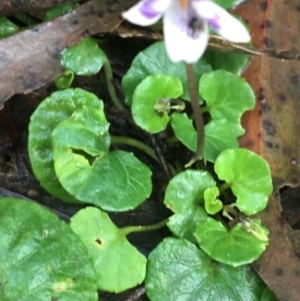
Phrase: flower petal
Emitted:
{"points": [[221, 21], [146, 12], [183, 41]]}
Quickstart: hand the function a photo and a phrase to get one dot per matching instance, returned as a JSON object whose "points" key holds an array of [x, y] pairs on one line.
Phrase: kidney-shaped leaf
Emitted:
{"points": [[84, 58], [228, 3], [249, 177], [65, 80], [52, 110], [227, 96], [41, 259], [115, 181], [219, 135], [7, 27], [119, 265], [211, 203], [268, 295], [185, 197], [152, 89], [231, 62], [155, 60], [59, 10], [178, 270], [238, 247]]}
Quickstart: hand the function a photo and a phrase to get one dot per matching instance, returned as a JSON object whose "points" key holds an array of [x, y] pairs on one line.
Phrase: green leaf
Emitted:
{"points": [[227, 96], [119, 265], [212, 204], [115, 181], [84, 58], [152, 89], [155, 60], [238, 246], [7, 28], [56, 11], [41, 259], [249, 177], [65, 80], [268, 295], [185, 196], [228, 61], [178, 270], [86, 134], [52, 110], [184, 130], [219, 135], [228, 3]]}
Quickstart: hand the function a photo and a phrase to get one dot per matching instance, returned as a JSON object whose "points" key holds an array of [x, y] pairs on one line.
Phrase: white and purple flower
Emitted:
{"points": [[186, 25]]}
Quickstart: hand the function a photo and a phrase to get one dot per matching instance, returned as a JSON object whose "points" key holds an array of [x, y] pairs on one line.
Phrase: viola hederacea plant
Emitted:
{"points": [[185, 27], [212, 204]]}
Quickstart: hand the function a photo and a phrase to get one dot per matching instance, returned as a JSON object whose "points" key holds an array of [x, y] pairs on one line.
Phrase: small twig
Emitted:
{"points": [[161, 156], [10, 7], [136, 294], [217, 43]]}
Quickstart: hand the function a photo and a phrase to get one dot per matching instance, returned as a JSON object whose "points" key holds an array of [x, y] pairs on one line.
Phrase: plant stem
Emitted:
{"points": [[136, 143], [141, 146], [205, 109], [230, 209], [110, 86], [197, 111], [130, 229], [223, 187]]}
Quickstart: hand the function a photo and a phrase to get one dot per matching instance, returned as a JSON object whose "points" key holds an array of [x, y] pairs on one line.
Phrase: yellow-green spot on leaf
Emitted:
{"points": [[49, 268], [62, 285], [99, 243], [45, 233]]}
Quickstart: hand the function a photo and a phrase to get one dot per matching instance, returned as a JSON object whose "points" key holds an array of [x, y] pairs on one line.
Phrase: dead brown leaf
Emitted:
{"points": [[273, 128], [31, 59], [8, 7]]}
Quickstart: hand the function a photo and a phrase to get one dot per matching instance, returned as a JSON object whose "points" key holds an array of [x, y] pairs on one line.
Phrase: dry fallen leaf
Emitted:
{"points": [[272, 130], [31, 59]]}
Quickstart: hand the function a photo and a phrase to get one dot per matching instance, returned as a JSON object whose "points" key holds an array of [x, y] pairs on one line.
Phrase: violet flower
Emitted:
{"points": [[185, 25]]}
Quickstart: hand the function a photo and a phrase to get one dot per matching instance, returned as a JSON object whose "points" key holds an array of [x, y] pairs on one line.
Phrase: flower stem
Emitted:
{"points": [[110, 86], [197, 111], [223, 187], [130, 229]]}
